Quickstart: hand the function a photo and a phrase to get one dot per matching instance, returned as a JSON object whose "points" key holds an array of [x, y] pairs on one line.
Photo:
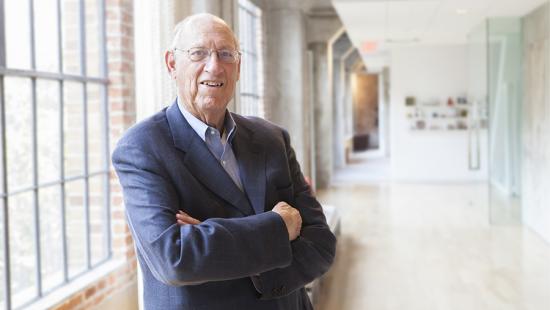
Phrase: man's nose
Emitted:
{"points": [[213, 63]]}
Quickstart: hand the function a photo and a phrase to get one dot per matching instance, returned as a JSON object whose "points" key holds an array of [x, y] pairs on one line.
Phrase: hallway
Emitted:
{"points": [[452, 95], [429, 246]]}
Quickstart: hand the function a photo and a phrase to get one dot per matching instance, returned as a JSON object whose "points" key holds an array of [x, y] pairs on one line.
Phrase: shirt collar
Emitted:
{"points": [[201, 128], [230, 126]]}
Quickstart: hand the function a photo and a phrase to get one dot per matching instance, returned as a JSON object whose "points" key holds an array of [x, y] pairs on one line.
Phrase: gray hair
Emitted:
{"points": [[188, 24]]}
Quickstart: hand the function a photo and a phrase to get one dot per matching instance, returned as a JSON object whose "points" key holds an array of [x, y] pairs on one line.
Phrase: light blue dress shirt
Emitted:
{"points": [[221, 148], [219, 145]]}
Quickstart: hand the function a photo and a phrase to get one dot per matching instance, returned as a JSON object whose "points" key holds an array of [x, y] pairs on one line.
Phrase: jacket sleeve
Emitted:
{"points": [[217, 249], [312, 252]]}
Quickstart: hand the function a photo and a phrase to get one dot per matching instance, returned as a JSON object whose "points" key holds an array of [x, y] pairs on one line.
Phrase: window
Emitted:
{"points": [[54, 168], [251, 81]]}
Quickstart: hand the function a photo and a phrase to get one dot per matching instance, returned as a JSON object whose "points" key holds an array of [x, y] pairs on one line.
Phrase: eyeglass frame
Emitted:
{"points": [[237, 54]]}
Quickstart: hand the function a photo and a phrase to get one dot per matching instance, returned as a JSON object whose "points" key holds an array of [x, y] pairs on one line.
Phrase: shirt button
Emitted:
{"points": [[223, 162]]}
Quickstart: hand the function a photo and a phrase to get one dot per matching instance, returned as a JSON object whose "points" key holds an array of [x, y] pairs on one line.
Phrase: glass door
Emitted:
{"points": [[494, 96], [504, 85]]}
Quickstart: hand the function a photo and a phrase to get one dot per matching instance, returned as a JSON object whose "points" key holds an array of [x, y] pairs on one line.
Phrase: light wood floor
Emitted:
{"points": [[429, 246]]}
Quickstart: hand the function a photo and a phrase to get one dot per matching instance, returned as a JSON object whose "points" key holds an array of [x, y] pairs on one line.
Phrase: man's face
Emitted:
{"points": [[208, 85]]}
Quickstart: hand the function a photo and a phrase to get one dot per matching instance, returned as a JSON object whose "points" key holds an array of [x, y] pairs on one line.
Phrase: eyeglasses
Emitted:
{"points": [[201, 53]]}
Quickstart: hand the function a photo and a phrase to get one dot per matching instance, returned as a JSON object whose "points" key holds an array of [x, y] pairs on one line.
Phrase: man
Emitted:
{"points": [[219, 211]]}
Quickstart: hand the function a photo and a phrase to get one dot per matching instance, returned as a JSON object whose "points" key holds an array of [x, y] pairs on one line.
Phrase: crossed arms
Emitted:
{"points": [[180, 250]]}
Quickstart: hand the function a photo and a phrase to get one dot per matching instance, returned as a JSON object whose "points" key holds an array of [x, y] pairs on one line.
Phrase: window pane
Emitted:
{"points": [[98, 223], [47, 95], [18, 34], [76, 227], [96, 129], [51, 236], [70, 18], [18, 132], [47, 41], [2, 261], [250, 85], [2, 152], [73, 129], [92, 38], [22, 254]]}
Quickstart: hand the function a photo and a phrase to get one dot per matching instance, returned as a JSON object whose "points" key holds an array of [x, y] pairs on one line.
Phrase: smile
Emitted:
{"points": [[211, 84]]}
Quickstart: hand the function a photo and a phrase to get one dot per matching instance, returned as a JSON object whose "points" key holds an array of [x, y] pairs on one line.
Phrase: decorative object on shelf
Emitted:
{"points": [[410, 101], [461, 100], [450, 102]]}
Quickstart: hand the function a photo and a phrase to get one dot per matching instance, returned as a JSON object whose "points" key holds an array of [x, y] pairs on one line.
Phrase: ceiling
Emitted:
{"points": [[375, 24]]}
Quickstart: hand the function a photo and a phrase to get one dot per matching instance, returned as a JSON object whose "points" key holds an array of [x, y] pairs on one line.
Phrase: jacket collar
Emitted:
{"points": [[250, 156]]}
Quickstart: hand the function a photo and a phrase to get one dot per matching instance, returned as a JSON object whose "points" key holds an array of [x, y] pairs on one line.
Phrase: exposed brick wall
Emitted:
{"points": [[122, 114], [120, 47], [97, 292]]}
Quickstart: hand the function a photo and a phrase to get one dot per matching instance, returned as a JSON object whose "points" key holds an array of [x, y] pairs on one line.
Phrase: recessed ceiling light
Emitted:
{"points": [[461, 11]]}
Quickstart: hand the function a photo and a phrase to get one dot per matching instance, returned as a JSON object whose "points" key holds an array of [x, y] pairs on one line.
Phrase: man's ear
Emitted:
{"points": [[170, 62]]}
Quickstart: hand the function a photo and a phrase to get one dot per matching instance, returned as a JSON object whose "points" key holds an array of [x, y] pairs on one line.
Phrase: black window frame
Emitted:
{"points": [[84, 80]]}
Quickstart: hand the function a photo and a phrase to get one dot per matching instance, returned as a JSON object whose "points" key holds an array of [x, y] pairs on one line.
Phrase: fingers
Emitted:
{"points": [[299, 226], [280, 205], [183, 218], [292, 218]]}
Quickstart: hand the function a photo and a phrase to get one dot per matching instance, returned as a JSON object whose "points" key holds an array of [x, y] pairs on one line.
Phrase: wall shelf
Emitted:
{"points": [[437, 115]]}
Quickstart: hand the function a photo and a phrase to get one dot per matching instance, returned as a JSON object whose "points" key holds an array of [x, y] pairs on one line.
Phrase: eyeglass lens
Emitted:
{"points": [[198, 54]]}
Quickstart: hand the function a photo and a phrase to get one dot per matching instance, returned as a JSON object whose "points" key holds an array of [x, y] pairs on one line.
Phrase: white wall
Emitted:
{"points": [[429, 73], [535, 195]]}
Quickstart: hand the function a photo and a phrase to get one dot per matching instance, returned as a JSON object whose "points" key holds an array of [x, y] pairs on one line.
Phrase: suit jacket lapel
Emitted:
{"points": [[251, 158], [201, 163]]}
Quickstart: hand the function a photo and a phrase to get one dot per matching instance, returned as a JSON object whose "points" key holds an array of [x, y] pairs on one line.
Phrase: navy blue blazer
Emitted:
{"points": [[239, 257]]}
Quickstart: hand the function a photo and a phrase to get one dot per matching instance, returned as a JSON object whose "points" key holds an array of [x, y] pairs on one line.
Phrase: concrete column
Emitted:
{"points": [[287, 87], [323, 110], [337, 115], [207, 6], [226, 9], [337, 49], [384, 93], [350, 61], [322, 24], [348, 115]]}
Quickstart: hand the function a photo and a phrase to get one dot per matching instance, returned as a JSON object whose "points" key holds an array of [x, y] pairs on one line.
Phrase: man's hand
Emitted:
{"points": [[184, 219], [292, 218]]}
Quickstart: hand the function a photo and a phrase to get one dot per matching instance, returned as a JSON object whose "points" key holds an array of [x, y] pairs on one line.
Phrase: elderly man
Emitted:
{"points": [[219, 211]]}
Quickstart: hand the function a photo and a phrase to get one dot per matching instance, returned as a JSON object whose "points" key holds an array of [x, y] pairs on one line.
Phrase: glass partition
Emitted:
{"points": [[495, 95], [504, 52]]}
